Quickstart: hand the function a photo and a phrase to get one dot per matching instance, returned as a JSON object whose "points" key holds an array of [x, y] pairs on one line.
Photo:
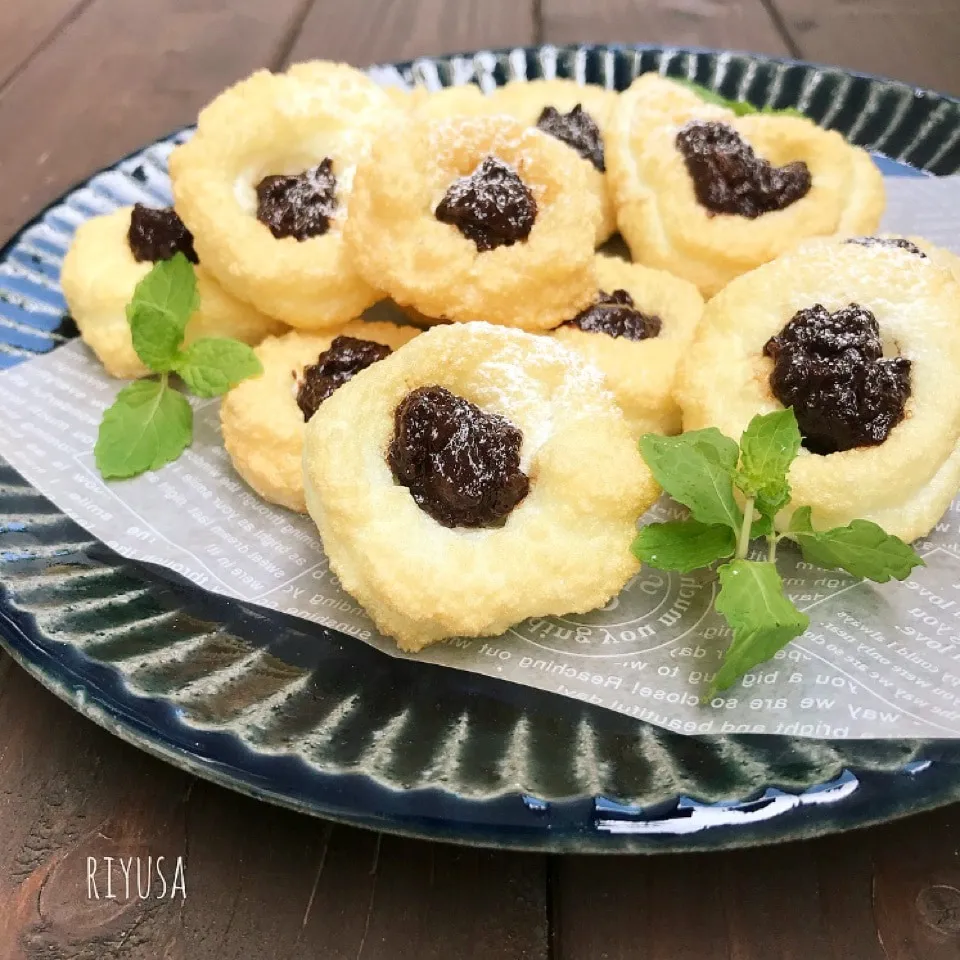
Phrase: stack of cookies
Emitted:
{"points": [[470, 456]]}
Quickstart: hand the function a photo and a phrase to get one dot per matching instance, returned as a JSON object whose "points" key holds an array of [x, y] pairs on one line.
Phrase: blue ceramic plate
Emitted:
{"points": [[309, 719]]}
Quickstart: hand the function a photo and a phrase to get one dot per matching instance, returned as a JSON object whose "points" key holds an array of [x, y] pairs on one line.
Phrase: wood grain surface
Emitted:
{"points": [[916, 41], [84, 81], [737, 24]]}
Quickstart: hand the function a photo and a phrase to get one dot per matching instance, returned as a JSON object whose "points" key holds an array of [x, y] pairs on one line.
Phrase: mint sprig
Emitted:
{"points": [[702, 469], [740, 108], [151, 423]]}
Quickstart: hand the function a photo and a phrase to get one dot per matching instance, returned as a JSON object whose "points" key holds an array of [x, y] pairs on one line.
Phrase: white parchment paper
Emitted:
{"points": [[877, 661]]}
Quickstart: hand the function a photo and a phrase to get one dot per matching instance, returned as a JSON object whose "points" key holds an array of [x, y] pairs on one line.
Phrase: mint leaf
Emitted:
{"points": [[739, 107], [721, 447], [162, 303], [696, 469], [861, 548], [763, 620], [767, 448], [800, 521], [683, 545], [148, 425], [211, 366]]}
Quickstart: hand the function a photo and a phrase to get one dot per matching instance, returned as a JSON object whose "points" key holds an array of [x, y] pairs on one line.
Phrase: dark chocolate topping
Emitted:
{"points": [[899, 242], [577, 129], [492, 207], [830, 368], [345, 358], [460, 464], [157, 234], [615, 315], [728, 177], [299, 206]]}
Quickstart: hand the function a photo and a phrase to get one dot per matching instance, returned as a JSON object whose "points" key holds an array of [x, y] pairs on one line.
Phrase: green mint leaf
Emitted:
{"points": [[148, 425], [162, 303], [767, 448], [762, 618], [683, 545], [724, 450], [739, 107], [211, 366], [696, 469], [800, 521], [861, 548], [772, 498]]}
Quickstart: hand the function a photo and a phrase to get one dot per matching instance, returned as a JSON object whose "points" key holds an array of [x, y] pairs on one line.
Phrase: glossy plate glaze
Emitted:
{"points": [[309, 719]]}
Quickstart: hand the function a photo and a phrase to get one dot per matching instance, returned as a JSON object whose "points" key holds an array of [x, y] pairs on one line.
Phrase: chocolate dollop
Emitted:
{"points": [[578, 130], [728, 177], [157, 234], [460, 463], [616, 315], [345, 358], [492, 207], [299, 206], [830, 368]]}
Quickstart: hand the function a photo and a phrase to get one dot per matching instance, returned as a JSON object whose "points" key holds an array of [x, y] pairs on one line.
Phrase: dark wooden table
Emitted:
{"points": [[83, 82]]}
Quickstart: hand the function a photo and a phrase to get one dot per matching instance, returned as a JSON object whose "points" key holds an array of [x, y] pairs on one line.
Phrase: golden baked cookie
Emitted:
{"points": [[474, 478], [864, 343], [640, 324], [265, 187], [405, 97], [475, 218], [263, 418], [782, 179], [99, 276], [466, 100], [917, 245], [576, 114]]}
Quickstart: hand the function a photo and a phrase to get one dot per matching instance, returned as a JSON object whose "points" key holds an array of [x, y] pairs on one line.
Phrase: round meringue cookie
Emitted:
{"points": [[904, 470], [265, 186], [476, 477], [99, 277], [263, 418], [660, 208], [475, 218], [636, 332]]}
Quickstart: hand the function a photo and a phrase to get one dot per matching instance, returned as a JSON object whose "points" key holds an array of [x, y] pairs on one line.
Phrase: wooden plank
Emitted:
{"points": [[25, 28], [737, 24], [434, 902], [888, 893], [789, 902], [123, 74], [71, 791], [259, 881], [916, 886], [379, 31], [915, 41]]}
